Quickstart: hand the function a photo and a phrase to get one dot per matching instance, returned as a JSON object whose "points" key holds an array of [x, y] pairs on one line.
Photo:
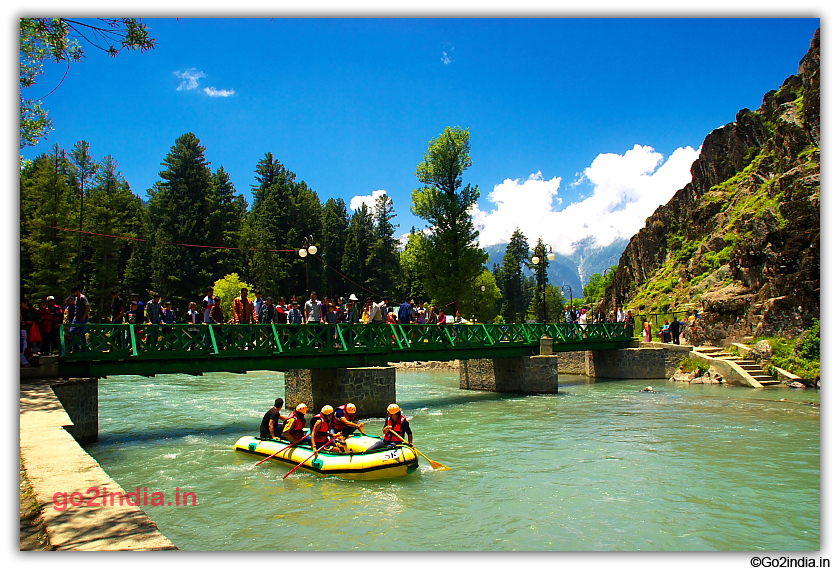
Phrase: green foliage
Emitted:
{"points": [[482, 303], [53, 39], [800, 356], [452, 250], [335, 223], [510, 278], [382, 265], [360, 237], [411, 267], [179, 210], [808, 345], [595, 290], [228, 288], [47, 252], [686, 251], [688, 364], [112, 209]]}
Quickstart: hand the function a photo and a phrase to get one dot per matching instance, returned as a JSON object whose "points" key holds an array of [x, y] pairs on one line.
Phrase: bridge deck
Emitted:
{"points": [[107, 349]]}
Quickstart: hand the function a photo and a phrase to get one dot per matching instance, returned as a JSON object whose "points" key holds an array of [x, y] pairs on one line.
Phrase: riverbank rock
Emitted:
{"points": [[418, 365], [741, 241], [708, 378], [683, 376], [796, 385], [761, 351]]}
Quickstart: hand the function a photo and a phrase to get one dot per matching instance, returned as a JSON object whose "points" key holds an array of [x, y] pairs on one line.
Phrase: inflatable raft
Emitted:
{"points": [[366, 458]]}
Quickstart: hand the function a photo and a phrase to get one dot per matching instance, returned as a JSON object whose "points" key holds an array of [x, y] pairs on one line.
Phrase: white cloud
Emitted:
{"points": [[213, 92], [626, 190], [357, 201], [447, 54], [189, 79]]}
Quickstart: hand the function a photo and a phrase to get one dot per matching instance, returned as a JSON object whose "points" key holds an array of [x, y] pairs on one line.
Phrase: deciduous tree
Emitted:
{"points": [[453, 256]]}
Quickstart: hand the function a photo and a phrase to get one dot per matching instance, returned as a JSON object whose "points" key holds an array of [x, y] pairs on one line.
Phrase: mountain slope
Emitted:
{"points": [[741, 241]]}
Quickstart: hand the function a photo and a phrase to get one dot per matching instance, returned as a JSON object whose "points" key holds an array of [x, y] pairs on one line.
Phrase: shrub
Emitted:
{"points": [[692, 364]]}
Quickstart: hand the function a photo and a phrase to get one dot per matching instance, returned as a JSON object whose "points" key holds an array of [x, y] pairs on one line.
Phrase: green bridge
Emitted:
{"points": [[98, 350]]}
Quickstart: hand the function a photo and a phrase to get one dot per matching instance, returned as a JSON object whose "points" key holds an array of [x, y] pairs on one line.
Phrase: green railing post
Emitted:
{"points": [[133, 340], [213, 339]]}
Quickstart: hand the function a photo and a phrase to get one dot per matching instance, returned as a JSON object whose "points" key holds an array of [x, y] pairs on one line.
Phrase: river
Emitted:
{"points": [[599, 466]]}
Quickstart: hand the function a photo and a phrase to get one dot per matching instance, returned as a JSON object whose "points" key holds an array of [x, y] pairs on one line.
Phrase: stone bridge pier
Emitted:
{"points": [[80, 399], [370, 388], [517, 375]]}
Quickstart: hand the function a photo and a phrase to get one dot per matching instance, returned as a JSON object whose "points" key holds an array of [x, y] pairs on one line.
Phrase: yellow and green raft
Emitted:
{"points": [[365, 457]]}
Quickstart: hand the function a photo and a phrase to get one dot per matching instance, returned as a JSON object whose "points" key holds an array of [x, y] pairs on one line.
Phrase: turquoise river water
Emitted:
{"points": [[597, 467]]}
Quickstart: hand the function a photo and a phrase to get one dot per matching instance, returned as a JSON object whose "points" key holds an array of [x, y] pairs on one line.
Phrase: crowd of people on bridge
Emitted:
{"points": [[39, 323], [330, 428]]}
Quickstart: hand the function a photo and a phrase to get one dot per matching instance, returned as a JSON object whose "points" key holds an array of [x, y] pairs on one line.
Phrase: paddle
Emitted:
{"points": [[275, 453], [311, 456], [435, 464]]}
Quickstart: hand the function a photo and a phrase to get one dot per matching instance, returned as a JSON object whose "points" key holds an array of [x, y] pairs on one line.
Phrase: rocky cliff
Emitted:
{"points": [[740, 242]]}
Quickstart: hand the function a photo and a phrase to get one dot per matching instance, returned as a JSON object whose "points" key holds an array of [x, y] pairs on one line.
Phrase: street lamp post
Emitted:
{"points": [[308, 248], [569, 287], [483, 288], [537, 260]]}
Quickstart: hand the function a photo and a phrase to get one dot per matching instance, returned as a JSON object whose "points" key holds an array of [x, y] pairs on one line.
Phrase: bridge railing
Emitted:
{"points": [[153, 342]]}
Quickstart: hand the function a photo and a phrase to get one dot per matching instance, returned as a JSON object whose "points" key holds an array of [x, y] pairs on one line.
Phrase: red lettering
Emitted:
{"points": [[81, 499], [95, 491], [157, 499]]}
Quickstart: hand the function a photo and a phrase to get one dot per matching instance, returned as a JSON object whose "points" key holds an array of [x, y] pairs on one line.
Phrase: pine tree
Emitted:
{"points": [[360, 237], [539, 300], [268, 227], [512, 278], [46, 206], [86, 168], [306, 272], [383, 262], [178, 212], [227, 211], [113, 209], [335, 224]]}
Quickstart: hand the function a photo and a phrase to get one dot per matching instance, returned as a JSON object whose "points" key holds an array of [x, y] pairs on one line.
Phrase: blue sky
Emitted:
{"points": [[605, 115]]}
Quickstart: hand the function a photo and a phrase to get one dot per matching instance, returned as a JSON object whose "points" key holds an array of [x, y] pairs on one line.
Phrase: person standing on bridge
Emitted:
{"points": [[269, 312], [243, 309], [272, 420], [313, 310], [406, 312], [397, 425], [207, 306], [293, 429], [259, 303], [81, 317]]}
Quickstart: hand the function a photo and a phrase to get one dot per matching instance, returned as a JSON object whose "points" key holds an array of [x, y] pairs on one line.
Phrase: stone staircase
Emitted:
{"points": [[745, 367]]}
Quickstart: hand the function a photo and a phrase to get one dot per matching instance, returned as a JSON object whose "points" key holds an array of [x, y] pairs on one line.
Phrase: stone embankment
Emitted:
{"points": [[648, 360], [56, 466]]}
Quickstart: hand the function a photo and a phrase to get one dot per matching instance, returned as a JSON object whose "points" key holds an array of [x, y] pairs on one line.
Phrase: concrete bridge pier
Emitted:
{"points": [[370, 388], [80, 399], [517, 375]]}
